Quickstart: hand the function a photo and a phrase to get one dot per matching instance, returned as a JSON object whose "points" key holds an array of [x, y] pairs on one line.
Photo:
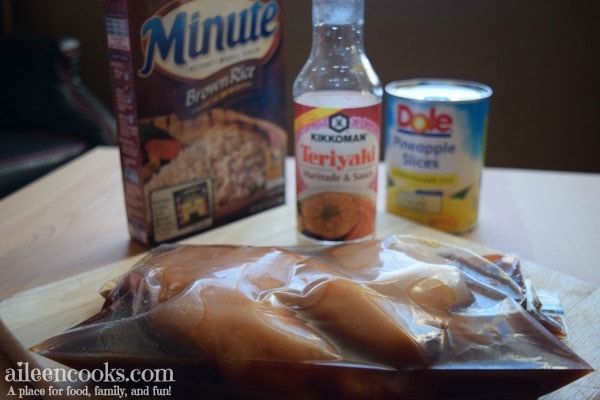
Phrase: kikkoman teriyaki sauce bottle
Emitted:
{"points": [[337, 128]]}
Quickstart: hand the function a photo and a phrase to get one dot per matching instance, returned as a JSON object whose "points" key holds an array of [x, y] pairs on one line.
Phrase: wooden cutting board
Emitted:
{"points": [[32, 316]]}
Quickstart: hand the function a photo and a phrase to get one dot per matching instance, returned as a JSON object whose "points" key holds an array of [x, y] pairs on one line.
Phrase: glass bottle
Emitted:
{"points": [[337, 128]]}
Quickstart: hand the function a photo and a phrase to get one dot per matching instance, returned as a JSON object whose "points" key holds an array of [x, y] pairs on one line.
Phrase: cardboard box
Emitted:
{"points": [[198, 90]]}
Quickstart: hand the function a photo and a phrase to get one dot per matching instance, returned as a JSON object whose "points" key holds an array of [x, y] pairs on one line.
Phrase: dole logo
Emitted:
{"points": [[430, 123]]}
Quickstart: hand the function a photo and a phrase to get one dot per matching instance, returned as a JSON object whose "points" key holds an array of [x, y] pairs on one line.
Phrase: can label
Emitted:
{"points": [[337, 154], [434, 157]]}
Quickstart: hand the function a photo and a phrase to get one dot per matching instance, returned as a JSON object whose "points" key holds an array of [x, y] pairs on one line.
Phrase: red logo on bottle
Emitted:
{"points": [[431, 123]]}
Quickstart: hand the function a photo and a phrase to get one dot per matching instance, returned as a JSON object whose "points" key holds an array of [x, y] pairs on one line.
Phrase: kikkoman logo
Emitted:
{"points": [[430, 123], [340, 125], [339, 122], [193, 40]]}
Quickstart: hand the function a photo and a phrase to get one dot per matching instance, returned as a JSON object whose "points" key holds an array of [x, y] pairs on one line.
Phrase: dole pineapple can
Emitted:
{"points": [[435, 144]]}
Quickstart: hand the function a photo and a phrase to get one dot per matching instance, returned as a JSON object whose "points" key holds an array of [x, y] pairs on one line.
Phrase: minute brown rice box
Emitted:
{"points": [[198, 88]]}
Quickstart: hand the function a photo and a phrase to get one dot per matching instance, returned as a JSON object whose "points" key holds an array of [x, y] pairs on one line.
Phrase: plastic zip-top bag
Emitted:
{"points": [[403, 318]]}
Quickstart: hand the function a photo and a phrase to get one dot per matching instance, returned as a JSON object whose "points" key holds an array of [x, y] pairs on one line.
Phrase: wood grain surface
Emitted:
{"points": [[71, 224], [34, 315]]}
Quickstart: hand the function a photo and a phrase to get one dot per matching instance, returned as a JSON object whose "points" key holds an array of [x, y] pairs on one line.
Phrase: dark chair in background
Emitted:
{"points": [[47, 116]]}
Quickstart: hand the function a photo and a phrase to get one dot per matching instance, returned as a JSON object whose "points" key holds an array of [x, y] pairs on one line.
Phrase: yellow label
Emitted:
{"points": [[274, 164], [312, 116], [456, 212], [423, 179]]}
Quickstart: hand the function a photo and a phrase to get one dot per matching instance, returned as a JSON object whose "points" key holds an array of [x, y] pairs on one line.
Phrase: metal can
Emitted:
{"points": [[435, 143]]}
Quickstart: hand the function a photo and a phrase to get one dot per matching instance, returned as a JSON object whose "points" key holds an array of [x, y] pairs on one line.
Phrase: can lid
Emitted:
{"points": [[439, 90]]}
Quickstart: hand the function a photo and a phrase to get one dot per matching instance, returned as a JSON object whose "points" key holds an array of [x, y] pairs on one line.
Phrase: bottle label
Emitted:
{"points": [[337, 156]]}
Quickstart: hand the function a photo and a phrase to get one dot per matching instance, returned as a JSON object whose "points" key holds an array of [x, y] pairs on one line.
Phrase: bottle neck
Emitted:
{"points": [[338, 27], [338, 12], [337, 60]]}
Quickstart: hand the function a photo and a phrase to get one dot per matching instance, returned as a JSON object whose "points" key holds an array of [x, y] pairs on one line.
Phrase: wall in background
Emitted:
{"points": [[541, 57], [82, 19]]}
